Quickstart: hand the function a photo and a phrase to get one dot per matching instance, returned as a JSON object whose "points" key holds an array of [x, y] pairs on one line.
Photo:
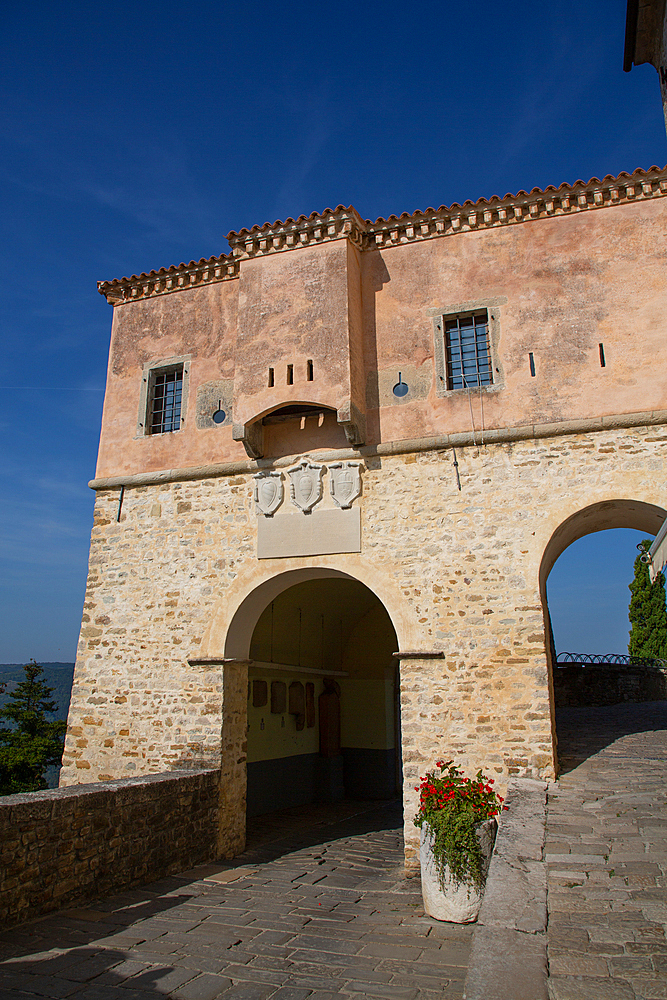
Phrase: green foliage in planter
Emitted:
{"points": [[454, 806]]}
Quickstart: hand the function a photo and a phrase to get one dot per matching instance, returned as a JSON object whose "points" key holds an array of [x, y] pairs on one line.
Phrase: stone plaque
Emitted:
{"points": [[268, 492], [297, 705], [259, 694], [345, 482], [306, 485], [321, 533], [278, 697]]}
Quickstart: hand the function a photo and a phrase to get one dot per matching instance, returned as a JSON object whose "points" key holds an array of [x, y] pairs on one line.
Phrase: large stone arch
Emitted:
{"points": [[228, 639], [240, 606], [617, 513], [600, 516]]}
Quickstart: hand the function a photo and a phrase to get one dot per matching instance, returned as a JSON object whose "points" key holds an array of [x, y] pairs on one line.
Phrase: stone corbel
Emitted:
{"points": [[252, 436], [353, 423]]}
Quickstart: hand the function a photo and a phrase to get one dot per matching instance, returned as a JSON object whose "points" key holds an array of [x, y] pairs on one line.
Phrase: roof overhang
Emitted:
{"points": [[432, 223], [644, 28]]}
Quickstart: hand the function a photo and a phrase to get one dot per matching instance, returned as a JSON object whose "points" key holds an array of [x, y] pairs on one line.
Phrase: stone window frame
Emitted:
{"points": [[457, 310], [149, 371]]}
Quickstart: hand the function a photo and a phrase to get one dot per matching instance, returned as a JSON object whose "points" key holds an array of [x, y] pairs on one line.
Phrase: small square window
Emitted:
{"points": [[467, 352], [466, 336], [166, 393], [163, 396]]}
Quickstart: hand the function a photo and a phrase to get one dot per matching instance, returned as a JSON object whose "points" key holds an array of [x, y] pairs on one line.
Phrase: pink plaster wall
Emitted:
{"points": [[569, 284], [293, 307], [200, 322]]}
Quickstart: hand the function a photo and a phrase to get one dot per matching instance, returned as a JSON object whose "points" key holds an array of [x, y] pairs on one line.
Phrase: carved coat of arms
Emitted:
{"points": [[345, 482], [269, 492], [306, 485]]}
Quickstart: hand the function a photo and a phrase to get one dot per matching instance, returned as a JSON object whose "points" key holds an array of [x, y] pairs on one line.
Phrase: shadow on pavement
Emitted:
{"points": [[585, 731], [214, 931], [58, 954], [275, 834], [78, 939], [69, 972]]}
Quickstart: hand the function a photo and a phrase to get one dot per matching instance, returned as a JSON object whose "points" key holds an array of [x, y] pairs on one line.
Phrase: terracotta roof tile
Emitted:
{"points": [[342, 222]]}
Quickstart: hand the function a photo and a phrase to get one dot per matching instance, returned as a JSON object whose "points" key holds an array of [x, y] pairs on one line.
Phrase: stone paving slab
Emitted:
{"points": [[317, 908], [508, 958], [607, 870]]}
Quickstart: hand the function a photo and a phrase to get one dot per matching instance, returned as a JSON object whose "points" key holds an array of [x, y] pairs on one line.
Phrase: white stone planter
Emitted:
{"points": [[457, 903]]}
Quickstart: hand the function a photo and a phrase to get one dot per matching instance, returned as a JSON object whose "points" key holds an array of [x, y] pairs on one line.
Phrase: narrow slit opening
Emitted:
{"points": [[309, 370], [531, 359], [290, 374], [603, 363], [271, 378]]}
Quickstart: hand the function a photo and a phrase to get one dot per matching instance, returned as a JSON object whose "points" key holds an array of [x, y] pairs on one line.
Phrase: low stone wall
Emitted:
{"points": [[579, 684], [67, 845]]}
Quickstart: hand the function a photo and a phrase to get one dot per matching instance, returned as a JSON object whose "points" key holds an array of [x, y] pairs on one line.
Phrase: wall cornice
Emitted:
{"points": [[512, 210], [433, 223], [331, 224], [406, 446], [169, 279]]}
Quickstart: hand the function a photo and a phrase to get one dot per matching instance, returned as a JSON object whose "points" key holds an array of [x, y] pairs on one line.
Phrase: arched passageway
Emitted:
{"points": [[323, 719], [637, 514], [618, 513]]}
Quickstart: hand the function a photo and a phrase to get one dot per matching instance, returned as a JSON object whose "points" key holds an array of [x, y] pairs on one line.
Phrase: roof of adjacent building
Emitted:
{"points": [[643, 33]]}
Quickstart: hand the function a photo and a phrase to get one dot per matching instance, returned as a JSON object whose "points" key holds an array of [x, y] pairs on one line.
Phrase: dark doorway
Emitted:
{"points": [[322, 698]]}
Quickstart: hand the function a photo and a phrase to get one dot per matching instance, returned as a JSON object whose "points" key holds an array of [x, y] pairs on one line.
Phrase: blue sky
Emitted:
{"points": [[136, 136], [588, 594]]}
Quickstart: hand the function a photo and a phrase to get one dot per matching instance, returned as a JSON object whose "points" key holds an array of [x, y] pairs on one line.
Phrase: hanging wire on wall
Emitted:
{"points": [[271, 631], [299, 659], [481, 408], [322, 644], [472, 419]]}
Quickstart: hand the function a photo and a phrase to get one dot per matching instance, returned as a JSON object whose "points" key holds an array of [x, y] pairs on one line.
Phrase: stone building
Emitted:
{"points": [[336, 467]]}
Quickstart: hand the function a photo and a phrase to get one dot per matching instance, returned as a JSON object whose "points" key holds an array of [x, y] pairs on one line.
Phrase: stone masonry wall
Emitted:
{"points": [[607, 684], [64, 846], [457, 570]]}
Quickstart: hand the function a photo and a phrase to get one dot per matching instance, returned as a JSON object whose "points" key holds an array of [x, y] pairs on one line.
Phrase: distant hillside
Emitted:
{"points": [[57, 675]]}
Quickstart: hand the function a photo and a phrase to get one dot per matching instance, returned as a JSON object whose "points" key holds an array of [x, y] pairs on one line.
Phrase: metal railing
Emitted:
{"points": [[622, 659]]}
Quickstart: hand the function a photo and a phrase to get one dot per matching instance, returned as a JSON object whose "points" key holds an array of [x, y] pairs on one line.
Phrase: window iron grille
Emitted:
{"points": [[467, 352], [166, 401]]}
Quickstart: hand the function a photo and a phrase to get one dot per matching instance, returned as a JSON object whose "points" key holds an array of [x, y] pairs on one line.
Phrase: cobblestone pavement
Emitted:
{"points": [[606, 855], [314, 909]]}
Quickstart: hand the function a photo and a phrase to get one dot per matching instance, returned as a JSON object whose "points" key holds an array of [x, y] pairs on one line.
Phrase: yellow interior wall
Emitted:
{"points": [[278, 739], [364, 715], [367, 694]]}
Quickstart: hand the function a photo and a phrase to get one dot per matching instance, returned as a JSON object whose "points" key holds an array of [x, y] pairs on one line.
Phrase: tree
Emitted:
{"points": [[31, 742], [647, 612]]}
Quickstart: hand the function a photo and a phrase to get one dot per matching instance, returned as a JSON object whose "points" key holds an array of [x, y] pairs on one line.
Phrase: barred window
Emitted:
{"points": [[165, 406], [467, 354]]}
